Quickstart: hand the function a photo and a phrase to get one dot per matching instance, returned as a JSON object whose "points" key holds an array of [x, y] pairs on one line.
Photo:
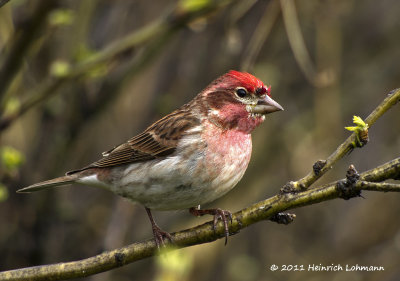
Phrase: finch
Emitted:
{"points": [[188, 158]]}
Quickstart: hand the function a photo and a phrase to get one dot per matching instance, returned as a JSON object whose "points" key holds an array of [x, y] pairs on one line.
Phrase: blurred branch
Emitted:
{"points": [[260, 35], [169, 23], [269, 209], [20, 44], [204, 233], [297, 43], [240, 9], [3, 2], [347, 146]]}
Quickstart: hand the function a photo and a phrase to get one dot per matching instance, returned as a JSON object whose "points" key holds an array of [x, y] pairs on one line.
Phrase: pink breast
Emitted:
{"points": [[227, 148]]}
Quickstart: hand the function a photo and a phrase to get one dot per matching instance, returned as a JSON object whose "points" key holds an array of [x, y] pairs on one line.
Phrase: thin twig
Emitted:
{"points": [[296, 41], [260, 35], [392, 98], [386, 171], [381, 186]]}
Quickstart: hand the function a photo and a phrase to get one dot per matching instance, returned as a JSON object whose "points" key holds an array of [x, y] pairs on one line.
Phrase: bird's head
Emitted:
{"points": [[238, 100]]}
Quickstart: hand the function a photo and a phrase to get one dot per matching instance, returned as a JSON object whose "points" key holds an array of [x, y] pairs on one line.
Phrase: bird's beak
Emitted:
{"points": [[265, 105]]}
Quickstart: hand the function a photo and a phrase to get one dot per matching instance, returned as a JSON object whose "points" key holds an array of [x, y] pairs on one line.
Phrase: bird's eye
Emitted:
{"points": [[241, 92]]}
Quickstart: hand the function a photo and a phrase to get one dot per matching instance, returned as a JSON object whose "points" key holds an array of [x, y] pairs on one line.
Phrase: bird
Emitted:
{"points": [[188, 158]]}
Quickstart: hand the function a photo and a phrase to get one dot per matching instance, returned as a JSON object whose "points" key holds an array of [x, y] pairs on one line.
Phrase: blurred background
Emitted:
{"points": [[79, 77]]}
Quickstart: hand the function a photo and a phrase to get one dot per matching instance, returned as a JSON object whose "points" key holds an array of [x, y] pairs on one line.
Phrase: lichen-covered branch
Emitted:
{"points": [[204, 233], [378, 186]]}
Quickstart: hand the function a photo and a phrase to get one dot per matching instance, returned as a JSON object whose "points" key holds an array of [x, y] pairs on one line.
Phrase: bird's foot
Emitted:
{"points": [[158, 233], [218, 214], [160, 236]]}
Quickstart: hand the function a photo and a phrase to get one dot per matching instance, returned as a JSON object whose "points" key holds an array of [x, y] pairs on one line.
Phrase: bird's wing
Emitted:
{"points": [[158, 140]]}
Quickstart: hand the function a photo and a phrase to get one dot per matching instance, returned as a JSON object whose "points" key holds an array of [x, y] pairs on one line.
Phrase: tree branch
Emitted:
{"points": [[204, 233], [382, 186], [347, 146]]}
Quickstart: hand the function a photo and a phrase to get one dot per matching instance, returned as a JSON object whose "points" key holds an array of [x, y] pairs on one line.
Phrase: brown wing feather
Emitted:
{"points": [[158, 140]]}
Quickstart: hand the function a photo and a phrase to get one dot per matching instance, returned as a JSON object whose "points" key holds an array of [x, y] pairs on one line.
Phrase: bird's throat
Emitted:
{"points": [[235, 117]]}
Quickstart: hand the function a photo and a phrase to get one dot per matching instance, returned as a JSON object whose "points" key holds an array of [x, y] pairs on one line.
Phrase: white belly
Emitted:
{"points": [[183, 180]]}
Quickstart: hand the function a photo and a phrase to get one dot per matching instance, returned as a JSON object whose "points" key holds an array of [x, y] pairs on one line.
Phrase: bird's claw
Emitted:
{"points": [[222, 215], [160, 235], [218, 214]]}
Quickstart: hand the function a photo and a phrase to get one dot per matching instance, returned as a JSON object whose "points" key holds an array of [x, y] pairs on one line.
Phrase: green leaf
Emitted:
{"points": [[361, 125], [351, 128], [11, 158], [193, 5], [62, 17], [361, 132], [359, 122], [59, 68], [12, 106]]}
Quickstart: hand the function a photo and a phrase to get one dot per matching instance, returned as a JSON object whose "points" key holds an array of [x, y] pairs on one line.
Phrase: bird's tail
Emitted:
{"points": [[50, 183]]}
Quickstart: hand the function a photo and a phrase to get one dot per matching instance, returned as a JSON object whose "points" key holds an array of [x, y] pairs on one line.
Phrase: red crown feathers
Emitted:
{"points": [[250, 82]]}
